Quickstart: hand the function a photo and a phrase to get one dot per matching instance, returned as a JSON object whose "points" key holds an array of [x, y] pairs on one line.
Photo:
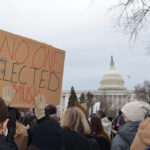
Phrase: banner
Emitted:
{"points": [[32, 68]]}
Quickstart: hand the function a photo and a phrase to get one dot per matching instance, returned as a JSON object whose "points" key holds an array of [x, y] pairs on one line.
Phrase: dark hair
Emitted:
{"points": [[50, 109], [3, 111], [28, 120], [98, 129], [110, 119], [120, 112], [17, 113], [102, 114], [92, 115]]}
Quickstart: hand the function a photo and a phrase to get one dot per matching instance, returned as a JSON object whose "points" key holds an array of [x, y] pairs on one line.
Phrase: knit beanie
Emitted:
{"points": [[136, 111]]}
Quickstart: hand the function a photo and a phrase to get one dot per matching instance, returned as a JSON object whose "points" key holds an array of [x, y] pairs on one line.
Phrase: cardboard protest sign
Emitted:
{"points": [[77, 104], [32, 68]]}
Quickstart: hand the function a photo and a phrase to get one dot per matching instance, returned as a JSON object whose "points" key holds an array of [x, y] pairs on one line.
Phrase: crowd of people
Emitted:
{"points": [[44, 130]]}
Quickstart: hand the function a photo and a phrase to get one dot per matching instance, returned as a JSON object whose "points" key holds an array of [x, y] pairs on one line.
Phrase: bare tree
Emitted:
{"points": [[134, 15], [143, 91]]}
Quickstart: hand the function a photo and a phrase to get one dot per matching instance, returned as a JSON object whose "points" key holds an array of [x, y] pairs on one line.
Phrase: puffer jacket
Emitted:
{"points": [[125, 136], [142, 138]]}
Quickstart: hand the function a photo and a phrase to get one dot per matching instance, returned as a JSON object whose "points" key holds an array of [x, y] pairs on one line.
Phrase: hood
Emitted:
{"points": [[128, 131], [143, 131]]}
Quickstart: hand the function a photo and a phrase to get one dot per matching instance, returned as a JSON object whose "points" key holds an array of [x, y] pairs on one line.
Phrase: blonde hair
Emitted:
{"points": [[74, 119]]}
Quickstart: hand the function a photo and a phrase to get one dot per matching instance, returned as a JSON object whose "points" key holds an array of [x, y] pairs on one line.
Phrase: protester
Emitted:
{"points": [[133, 114], [120, 120], [29, 122], [76, 128], [99, 133], [21, 135], [105, 122], [142, 138], [51, 111], [116, 124], [7, 121], [48, 135]]}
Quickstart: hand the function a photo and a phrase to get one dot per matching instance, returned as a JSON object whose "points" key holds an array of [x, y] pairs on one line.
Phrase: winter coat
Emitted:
{"points": [[142, 138], [5, 145], [21, 136], [76, 141], [148, 148], [103, 143], [48, 135], [125, 136], [107, 125]]}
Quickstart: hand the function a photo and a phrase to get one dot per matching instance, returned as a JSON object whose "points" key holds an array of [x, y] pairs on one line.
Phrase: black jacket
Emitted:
{"points": [[7, 143], [76, 141], [103, 143], [48, 135], [4, 145]]}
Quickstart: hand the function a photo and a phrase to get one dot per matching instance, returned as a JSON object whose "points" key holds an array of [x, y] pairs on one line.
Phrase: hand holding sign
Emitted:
{"points": [[40, 103], [7, 95]]}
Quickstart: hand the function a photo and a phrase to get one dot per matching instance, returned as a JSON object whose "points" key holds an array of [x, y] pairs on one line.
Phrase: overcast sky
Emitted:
{"points": [[85, 30]]}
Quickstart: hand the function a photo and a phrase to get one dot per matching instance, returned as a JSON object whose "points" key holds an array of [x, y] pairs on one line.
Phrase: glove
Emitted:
{"points": [[7, 95], [40, 103]]}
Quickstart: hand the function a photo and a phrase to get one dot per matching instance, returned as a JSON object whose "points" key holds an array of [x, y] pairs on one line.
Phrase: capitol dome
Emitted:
{"points": [[112, 79]]}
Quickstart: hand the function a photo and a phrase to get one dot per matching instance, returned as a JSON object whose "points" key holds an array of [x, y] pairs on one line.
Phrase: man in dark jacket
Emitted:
{"points": [[133, 114], [48, 134], [6, 133]]}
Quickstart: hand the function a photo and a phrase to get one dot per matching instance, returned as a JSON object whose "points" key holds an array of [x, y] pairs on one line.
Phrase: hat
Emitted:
{"points": [[136, 111]]}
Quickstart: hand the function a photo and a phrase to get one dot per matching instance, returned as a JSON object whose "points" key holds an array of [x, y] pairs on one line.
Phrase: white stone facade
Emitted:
{"points": [[111, 91]]}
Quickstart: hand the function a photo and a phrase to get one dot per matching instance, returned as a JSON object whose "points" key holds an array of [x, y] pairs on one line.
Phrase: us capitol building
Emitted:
{"points": [[112, 94]]}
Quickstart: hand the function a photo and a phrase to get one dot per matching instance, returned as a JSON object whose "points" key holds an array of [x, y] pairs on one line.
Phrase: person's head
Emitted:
{"points": [[97, 128], [96, 125], [74, 119], [120, 112], [50, 110], [135, 111], [3, 116], [48, 135], [101, 114], [28, 120]]}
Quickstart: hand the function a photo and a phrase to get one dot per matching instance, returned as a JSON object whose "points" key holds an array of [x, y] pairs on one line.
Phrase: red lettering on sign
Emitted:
{"points": [[55, 61], [17, 48], [5, 40], [26, 94]]}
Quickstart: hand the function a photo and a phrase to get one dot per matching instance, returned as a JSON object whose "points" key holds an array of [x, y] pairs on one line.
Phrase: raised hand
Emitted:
{"points": [[40, 102], [7, 95]]}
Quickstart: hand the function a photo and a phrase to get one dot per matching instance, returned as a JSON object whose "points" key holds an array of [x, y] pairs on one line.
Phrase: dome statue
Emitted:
{"points": [[112, 79]]}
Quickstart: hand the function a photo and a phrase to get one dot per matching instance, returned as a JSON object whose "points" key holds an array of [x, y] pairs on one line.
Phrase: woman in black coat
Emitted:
{"points": [[99, 133], [76, 130]]}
